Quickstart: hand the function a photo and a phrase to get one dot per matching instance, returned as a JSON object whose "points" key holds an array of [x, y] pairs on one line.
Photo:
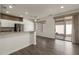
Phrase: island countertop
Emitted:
{"points": [[10, 34]]}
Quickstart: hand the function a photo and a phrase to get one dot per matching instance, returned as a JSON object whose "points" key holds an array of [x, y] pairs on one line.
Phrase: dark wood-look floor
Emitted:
{"points": [[47, 46]]}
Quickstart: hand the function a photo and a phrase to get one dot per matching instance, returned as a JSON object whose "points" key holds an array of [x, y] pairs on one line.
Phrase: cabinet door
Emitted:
{"points": [[6, 23]]}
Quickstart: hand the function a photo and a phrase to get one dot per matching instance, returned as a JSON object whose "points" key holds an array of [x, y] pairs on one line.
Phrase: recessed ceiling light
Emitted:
{"points": [[62, 7], [21, 15], [26, 13], [10, 6], [7, 11]]}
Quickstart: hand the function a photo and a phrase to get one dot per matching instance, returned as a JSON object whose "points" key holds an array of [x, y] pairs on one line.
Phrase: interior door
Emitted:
{"points": [[60, 30]]}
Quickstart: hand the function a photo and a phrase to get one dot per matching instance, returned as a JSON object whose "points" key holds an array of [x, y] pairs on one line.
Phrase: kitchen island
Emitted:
{"points": [[13, 41]]}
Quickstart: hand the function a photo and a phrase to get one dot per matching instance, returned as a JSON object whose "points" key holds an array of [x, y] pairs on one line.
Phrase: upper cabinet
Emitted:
{"points": [[10, 17], [7, 23]]}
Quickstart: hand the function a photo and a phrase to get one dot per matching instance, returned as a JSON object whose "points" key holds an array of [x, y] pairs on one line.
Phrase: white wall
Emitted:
{"points": [[28, 25], [48, 28]]}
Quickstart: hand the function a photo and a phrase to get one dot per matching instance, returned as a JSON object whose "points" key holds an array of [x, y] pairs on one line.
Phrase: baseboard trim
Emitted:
{"points": [[44, 37], [18, 49]]}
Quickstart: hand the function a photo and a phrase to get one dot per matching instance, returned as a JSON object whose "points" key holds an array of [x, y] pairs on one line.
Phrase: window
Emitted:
{"points": [[40, 27], [60, 29], [68, 27]]}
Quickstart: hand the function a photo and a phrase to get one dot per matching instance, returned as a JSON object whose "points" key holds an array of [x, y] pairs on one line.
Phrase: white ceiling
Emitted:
{"points": [[40, 10]]}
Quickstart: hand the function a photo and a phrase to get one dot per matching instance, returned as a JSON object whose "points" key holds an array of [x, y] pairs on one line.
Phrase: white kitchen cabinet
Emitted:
{"points": [[7, 23]]}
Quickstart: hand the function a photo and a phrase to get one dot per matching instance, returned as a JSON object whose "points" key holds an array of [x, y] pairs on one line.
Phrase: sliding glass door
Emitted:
{"points": [[63, 30], [60, 30], [68, 30]]}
